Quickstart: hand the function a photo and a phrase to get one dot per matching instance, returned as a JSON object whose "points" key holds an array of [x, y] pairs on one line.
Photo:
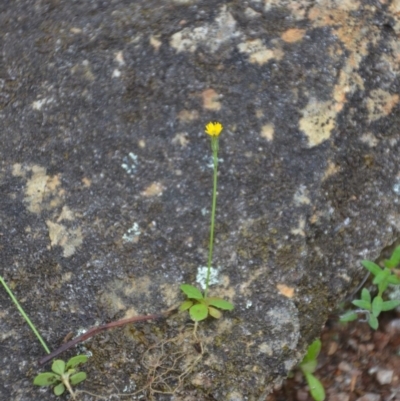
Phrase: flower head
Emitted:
{"points": [[214, 128]]}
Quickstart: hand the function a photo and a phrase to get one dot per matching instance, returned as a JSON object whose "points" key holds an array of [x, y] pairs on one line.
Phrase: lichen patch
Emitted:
{"points": [[299, 230], [330, 170], [285, 290], [369, 139], [293, 35], [155, 42], [258, 53], [181, 138], [211, 36], [301, 196], [380, 103], [154, 189], [211, 100], [318, 121], [186, 116], [69, 239], [66, 214], [267, 132]]}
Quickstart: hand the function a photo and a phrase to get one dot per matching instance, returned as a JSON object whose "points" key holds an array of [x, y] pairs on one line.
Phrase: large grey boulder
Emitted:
{"points": [[106, 184]]}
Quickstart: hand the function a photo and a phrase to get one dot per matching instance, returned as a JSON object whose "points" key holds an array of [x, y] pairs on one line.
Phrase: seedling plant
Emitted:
{"points": [[308, 367], [63, 375], [370, 306], [199, 305]]}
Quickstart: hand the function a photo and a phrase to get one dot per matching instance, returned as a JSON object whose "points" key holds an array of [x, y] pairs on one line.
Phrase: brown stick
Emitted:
{"points": [[96, 330]]}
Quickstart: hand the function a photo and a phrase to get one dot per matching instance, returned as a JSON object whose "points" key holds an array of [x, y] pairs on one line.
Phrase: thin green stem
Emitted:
{"points": [[24, 315], [214, 146]]}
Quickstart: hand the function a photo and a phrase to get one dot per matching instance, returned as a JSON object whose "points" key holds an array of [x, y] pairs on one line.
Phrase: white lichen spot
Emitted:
{"points": [[267, 132], [155, 42], [264, 348], [396, 186], [211, 36], [17, 170], [75, 30], [181, 139], [369, 139], [258, 53], [250, 13], [299, 230], [202, 276], [301, 196], [119, 58], [318, 121], [133, 233], [248, 304], [130, 163], [116, 73], [204, 211], [38, 104], [66, 214]]}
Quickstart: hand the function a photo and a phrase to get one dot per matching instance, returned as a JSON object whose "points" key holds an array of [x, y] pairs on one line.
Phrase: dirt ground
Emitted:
{"points": [[356, 363]]}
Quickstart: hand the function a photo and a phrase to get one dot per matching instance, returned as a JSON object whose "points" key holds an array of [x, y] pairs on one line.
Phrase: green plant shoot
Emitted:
{"points": [[24, 315], [308, 367], [63, 375], [200, 305], [383, 277]]}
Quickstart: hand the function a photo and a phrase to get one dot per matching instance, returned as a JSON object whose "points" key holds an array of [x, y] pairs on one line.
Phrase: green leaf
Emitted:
{"points": [[191, 292], [382, 275], [377, 305], [362, 304], [214, 312], [77, 378], [383, 285], [373, 321], [309, 366], [46, 379], [313, 350], [198, 312], [185, 305], [317, 390], [393, 279], [219, 303], [372, 267], [348, 316], [58, 367], [366, 295], [75, 361], [394, 259], [389, 305], [59, 389]]}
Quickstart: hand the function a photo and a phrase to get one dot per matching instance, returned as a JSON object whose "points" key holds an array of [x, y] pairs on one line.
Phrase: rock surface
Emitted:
{"points": [[106, 183]]}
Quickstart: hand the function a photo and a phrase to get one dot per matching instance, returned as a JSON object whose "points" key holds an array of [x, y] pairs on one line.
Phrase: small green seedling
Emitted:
{"points": [[383, 277], [308, 366], [199, 306], [64, 375]]}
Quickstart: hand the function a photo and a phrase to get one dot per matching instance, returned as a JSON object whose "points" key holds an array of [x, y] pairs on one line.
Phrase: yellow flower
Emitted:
{"points": [[214, 129]]}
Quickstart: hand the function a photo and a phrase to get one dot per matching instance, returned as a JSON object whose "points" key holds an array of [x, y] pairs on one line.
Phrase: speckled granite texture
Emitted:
{"points": [[106, 181]]}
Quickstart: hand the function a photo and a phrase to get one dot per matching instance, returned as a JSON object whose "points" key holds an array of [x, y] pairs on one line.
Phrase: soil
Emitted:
{"points": [[356, 363]]}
